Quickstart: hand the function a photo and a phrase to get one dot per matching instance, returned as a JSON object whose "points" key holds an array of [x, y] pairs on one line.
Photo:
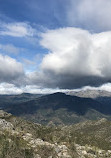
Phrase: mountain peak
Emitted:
{"points": [[90, 93], [58, 93]]}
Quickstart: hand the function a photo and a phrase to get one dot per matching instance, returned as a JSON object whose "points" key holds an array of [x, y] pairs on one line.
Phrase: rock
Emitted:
{"points": [[4, 114], [57, 150], [103, 120], [5, 125], [37, 156], [84, 152]]}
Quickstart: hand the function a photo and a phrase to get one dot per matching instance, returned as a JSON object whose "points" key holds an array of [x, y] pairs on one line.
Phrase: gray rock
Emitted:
{"points": [[5, 125]]}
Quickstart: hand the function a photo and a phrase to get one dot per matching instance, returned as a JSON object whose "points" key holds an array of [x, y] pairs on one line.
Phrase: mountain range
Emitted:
{"points": [[59, 108], [88, 93], [56, 125]]}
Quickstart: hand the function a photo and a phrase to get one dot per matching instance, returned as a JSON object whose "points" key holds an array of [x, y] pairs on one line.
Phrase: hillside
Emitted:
{"points": [[7, 100], [59, 108], [23, 139]]}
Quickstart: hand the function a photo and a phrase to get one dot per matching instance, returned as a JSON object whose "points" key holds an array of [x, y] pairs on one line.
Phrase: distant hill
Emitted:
{"points": [[7, 100], [102, 96], [59, 108], [90, 93]]}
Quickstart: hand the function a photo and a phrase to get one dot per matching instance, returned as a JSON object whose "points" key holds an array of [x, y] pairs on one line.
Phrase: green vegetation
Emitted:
{"points": [[30, 140], [13, 146], [57, 109]]}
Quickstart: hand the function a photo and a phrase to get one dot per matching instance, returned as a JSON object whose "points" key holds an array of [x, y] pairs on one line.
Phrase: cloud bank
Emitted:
{"points": [[76, 58], [8, 88]]}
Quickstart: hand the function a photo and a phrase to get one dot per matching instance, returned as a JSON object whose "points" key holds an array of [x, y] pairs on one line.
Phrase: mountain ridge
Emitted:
{"points": [[60, 108], [89, 93]]}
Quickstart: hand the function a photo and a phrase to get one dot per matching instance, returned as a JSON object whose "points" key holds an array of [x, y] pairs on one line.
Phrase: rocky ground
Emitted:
{"points": [[22, 139]]}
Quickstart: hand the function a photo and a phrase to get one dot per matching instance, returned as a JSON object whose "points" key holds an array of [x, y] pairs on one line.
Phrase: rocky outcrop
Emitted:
{"points": [[91, 139], [5, 125], [91, 152], [61, 151], [4, 114]]}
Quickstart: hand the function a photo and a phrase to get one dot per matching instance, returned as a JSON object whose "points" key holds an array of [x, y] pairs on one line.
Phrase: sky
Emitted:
{"points": [[54, 45]]}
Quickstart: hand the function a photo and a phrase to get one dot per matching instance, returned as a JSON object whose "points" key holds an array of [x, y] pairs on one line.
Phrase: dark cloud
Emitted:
{"points": [[76, 58], [51, 80]]}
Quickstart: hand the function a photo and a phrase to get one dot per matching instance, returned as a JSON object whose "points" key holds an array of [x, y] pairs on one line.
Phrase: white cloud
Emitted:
{"points": [[77, 52], [76, 58], [34, 89], [68, 48], [104, 87], [17, 29], [10, 69], [6, 88]]}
